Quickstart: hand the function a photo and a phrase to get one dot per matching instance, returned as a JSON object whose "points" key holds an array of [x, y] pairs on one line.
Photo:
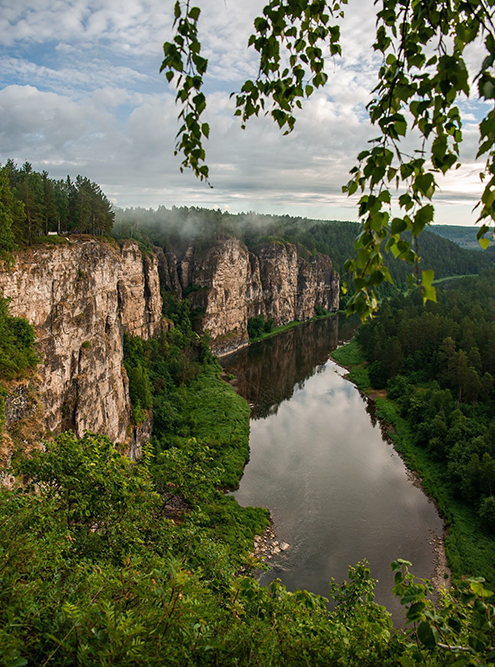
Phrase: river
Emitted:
{"points": [[336, 489]]}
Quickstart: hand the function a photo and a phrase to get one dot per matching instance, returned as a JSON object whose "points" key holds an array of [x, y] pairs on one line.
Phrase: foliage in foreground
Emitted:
{"points": [[94, 572]]}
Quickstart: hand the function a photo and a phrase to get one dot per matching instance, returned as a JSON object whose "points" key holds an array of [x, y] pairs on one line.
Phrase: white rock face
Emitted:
{"points": [[235, 284], [80, 296]]}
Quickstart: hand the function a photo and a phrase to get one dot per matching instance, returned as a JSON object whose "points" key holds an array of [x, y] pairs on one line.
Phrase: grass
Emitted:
{"points": [[285, 327], [348, 355], [219, 417], [351, 357], [470, 551]]}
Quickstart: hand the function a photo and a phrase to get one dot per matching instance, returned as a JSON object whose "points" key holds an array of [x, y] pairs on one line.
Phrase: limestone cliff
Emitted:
{"points": [[80, 296], [230, 284]]}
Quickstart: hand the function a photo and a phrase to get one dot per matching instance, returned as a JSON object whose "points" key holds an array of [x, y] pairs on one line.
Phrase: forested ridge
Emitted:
{"points": [[177, 228]]}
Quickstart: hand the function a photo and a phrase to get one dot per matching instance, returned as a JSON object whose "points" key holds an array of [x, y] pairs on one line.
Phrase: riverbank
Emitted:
{"points": [[291, 325], [350, 357], [468, 551]]}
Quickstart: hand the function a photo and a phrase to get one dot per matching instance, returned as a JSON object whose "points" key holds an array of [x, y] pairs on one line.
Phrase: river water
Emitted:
{"points": [[337, 490]]}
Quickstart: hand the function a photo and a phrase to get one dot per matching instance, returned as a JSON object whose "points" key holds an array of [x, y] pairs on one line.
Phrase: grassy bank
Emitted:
{"points": [[351, 357], [469, 549], [211, 411], [285, 327]]}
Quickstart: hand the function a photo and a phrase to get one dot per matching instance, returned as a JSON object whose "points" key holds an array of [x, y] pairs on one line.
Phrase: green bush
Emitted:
{"points": [[17, 338], [320, 311], [256, 326]]}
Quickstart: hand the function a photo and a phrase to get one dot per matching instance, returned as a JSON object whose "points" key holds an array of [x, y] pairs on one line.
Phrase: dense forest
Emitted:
{"points": [[176, 228], [32, 205]]}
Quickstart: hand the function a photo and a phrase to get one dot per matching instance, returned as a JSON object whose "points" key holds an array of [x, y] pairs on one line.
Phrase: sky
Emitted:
{"points": [[81, 93]]}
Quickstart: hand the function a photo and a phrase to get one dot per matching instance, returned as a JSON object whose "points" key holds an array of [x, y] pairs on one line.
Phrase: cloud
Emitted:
{"points": [[79, 79], [81, 94]]}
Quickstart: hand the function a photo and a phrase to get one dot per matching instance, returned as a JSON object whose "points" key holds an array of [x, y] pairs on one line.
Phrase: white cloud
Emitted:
{"points": [[81, 93]]}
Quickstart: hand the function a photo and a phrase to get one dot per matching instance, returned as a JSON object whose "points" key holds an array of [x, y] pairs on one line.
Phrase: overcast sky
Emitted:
{"points": [[80, 92]]}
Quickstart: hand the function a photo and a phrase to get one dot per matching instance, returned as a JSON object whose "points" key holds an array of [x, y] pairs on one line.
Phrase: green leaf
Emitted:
{"points": [[425, 184], [423, 217], [484, 243], [427, 635], [429, 294], [398, 225], [414, 612], [194, 13], [427, 277]]}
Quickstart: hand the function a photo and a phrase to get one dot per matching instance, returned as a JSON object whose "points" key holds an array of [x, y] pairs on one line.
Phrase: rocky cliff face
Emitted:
{"points": [[80, 296], [230, 284]]}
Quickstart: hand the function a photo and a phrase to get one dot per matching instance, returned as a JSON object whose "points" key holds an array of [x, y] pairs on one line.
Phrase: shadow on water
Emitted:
{"points": [[269, 372], [337, 490]]}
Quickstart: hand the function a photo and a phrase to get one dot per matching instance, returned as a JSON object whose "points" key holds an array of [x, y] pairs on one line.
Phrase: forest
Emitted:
{"points": [[176, 228], [33, 205]]}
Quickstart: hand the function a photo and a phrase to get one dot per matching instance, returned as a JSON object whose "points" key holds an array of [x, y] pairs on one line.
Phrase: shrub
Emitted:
{"points": [[17, 337]]}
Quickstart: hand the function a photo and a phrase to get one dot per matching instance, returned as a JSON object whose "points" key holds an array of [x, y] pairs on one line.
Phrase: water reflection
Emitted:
{"points": [[337, 491], [269, 372]]}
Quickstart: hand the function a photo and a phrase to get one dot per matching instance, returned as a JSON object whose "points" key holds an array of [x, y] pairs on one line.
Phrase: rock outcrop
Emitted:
{"points": [[80, 296], [229, 284]]}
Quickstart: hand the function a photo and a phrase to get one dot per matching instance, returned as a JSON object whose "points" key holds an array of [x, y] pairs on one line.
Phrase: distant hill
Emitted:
{"points": [[465, 237]]}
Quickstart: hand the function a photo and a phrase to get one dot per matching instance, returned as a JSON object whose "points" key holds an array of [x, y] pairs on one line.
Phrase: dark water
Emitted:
{"points": [[337, 490]]}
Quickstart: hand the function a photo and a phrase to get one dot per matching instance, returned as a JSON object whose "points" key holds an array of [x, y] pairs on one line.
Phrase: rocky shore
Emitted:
{"points": [[266, 545]]}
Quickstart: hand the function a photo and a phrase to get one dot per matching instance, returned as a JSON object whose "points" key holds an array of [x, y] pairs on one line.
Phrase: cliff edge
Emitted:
{"points": [[227, 284], [80, 296]]}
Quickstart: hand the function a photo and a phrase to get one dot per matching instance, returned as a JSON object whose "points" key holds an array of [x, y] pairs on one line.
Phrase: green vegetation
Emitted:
{"points": [[437, 366], [32, 205], [17, 337], [349, 355], [438, 281], [257, 326]]}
